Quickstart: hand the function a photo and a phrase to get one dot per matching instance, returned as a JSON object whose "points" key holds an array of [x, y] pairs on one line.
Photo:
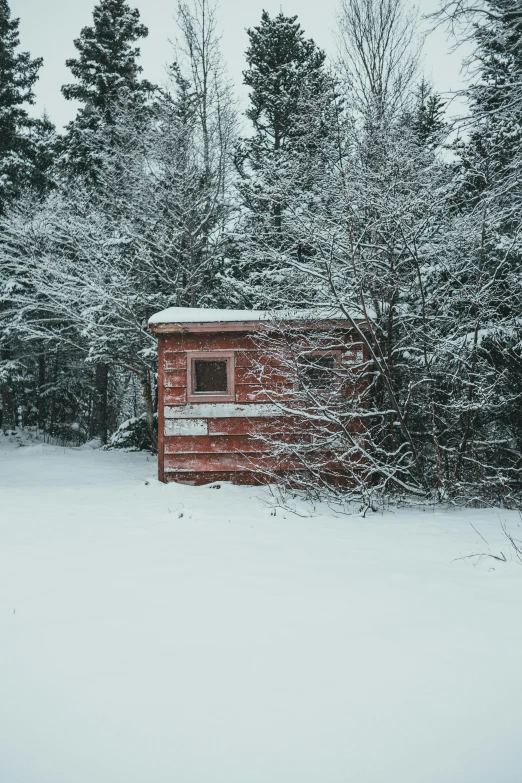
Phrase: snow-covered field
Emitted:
{"points": [[171, 634]]}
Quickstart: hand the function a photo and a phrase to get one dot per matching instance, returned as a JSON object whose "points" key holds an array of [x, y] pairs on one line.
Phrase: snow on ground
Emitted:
{"points": [[151, 634]]}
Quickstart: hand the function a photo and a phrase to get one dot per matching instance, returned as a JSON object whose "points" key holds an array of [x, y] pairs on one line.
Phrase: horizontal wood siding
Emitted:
{"points": [[161, 410], [174, 378], [202, 442], [219, 444], [175, 396], [208, 463], [252, 392], [254, 358], [224, 444], [211, 477], [265, 374], [175, 360], [209, 342], [242, 426]]}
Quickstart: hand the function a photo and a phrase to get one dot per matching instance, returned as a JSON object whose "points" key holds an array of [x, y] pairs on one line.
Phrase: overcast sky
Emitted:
{"points": [[48, 27]]}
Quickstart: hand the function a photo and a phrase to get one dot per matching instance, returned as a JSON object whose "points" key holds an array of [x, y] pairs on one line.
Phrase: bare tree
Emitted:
{"points": [[201, 67], [379, 51]]}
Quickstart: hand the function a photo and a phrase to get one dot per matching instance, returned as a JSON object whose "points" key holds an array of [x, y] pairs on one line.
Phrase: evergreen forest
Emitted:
{"points": [[345, 185]]}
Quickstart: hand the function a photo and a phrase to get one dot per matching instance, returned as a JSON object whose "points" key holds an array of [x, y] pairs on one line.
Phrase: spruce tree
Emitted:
{"points": [[428, 121], [492, 156], [18, 74], [107, 76], [293, 109], [106, 72], [282, 65], [107, 61], [489, 203], [44, 144]]}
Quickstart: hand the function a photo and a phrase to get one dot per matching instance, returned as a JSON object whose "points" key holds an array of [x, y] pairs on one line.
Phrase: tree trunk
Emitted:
{"points": [[149, 405], [8, 409], [100, 406], [8, 403], [41, 398]]}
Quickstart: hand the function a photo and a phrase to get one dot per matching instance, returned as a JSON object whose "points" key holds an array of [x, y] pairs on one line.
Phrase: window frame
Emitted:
{"points": [[337, 356], [195, 396]]}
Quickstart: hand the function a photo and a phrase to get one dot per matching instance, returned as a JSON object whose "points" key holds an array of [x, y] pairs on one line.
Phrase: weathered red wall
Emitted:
{"points": [[219, 447]]}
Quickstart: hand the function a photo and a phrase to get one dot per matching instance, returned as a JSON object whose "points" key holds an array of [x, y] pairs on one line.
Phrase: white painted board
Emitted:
{"points": [[221, 410], [186, 427]]}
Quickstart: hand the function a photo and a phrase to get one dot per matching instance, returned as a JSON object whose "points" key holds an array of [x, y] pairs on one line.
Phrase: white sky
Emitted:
{"points": [[48, 27]]}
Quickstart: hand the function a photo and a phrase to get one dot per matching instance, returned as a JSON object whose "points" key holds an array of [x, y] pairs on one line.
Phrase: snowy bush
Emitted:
{"points": [[132, 435]]}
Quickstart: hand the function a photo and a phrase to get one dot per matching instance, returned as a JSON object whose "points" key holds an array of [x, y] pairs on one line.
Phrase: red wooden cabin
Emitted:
{"points": [[212, 404]]}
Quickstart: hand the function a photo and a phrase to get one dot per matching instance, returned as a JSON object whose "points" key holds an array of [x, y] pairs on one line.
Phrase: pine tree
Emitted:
{"points": [[107, 62], [428, 115], [44, 145], [18, 75], [294, 110], [490, 198], [107, 72], [479, 286], [282, 64], [493, 154], [107, 76]]}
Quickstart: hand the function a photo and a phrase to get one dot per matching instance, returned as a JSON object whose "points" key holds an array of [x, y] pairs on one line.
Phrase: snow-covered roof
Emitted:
{"points": [[192, 315]]}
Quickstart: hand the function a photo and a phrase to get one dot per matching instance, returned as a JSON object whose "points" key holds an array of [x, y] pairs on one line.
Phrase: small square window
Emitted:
{"points": [[210, 376], [317, 371]]}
